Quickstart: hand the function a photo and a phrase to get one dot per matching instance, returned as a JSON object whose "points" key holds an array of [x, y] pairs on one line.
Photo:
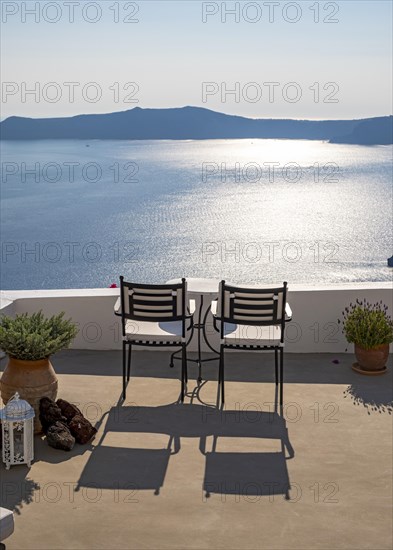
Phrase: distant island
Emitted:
{"points": [[370, 131], [195, 123]]}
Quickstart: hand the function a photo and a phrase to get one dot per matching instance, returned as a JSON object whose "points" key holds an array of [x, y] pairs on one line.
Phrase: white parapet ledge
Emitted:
{"points": [[315, 328], [12, 295]]}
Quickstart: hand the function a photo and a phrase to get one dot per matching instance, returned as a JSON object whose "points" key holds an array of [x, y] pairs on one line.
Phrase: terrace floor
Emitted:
{"points": [[163, 475]]}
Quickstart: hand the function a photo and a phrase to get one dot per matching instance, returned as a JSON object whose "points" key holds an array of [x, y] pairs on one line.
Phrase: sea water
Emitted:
{"points": [[77, 214]]}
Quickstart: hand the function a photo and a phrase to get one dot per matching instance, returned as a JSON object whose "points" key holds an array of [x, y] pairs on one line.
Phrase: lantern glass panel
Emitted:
{"points": [[18, 440]]}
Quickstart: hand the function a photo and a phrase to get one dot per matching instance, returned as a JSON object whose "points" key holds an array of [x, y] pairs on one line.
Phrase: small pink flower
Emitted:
{"points": [[113, 285]]}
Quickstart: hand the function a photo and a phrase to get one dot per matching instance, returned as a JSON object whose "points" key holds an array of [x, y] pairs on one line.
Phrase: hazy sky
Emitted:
{"points": [[180, 53]]}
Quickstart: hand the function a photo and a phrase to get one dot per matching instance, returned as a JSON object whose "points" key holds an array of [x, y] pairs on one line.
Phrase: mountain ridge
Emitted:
{"points": [[197, 123]]}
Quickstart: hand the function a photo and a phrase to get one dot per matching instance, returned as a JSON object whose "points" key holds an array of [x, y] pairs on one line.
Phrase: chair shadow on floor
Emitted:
{"points": [[248, 475], [243, 473]]}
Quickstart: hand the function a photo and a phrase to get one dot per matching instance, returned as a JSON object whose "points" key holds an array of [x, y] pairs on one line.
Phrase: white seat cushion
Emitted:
{"points": [[191, 306], [250, 335], [6, 523], [146, 331]]}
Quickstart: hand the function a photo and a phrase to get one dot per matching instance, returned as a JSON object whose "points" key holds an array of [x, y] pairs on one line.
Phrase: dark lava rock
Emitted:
{"points": [[63, 423], [59, 436], [81, 429], [50, 413], [67, 409]]}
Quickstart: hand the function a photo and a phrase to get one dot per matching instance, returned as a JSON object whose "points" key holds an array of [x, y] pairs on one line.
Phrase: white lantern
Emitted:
{"points": [[17, 420]]}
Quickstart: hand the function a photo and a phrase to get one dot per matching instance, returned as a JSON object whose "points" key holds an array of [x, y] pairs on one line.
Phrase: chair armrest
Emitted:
{"points": [[117, 307]]}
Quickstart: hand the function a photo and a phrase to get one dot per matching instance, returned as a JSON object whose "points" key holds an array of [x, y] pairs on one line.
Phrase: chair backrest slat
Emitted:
{"points": [[252, 306], [153, 302]]}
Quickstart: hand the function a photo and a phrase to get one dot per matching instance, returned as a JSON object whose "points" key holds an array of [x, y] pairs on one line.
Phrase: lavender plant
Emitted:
{"points": [[367, 325]]}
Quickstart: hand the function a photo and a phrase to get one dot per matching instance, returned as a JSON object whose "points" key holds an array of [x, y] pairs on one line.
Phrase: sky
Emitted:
{"points": [[304, 59]]}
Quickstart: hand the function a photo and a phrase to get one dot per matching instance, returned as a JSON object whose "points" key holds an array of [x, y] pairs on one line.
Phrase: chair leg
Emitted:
{"points": [[222, 374], [124, 369], [183, 372], [129, 361], [276, 365], [281, 376], [185, 365]]}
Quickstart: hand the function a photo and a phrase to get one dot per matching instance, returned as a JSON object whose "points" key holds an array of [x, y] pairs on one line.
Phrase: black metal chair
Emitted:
{"points": [[154, 315], [252, 319]]}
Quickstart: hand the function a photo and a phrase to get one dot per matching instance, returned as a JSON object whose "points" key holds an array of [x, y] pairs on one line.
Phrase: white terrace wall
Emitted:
{"points": [[314, 327]]}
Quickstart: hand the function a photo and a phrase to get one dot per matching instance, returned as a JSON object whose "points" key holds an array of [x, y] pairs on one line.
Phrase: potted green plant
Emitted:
{"points": [[370, 328], [29, 341]]}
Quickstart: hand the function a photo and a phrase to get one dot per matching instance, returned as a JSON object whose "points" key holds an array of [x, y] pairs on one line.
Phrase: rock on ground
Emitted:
{"points": [[67, 409], [81, 429], [59, 436], [50, 413]]}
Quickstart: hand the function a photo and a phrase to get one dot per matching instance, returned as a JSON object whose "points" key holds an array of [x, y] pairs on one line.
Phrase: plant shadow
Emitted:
{"points": [[17, 489], [374, 393]]}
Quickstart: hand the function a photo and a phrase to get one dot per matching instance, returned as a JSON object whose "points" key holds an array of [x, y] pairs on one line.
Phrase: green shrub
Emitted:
{"points": [[34, 336], [367, 325]]}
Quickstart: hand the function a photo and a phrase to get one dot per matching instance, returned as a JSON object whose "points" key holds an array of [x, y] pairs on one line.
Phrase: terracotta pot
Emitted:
{"points": [[32, 380], [372, 359]]}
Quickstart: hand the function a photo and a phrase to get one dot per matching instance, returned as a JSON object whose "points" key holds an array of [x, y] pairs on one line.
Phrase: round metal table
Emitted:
{"points": [[201, 288]]}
